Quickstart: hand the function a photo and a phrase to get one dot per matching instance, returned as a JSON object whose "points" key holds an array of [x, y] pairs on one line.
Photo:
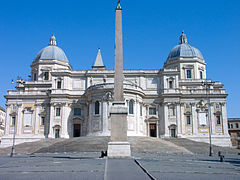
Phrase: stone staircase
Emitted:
{"points": [[201, 147], [98, 144]]}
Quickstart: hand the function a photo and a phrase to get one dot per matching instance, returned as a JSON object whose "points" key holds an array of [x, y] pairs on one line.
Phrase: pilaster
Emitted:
{"points": [[178, 119], [36, 121], [194, 119], [224, 118], [7, 120], [51, 135]]}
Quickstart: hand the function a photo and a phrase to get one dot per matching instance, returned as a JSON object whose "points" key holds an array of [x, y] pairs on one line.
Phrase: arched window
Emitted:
{"points": [[131, 107], [97, 106]]}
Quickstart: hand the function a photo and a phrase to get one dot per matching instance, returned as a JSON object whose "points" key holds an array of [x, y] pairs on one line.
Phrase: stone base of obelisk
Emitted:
{"points": [[119, 147]]}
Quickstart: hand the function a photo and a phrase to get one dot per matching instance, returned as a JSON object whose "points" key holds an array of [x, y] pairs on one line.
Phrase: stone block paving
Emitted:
{"points": [[87, 165], [187, 166], [52, 166]]}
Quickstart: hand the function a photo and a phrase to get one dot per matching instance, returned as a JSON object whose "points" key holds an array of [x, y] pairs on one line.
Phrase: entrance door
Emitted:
{"points": [[57, 133], [76, 130], [153, 130], [173, 133]]}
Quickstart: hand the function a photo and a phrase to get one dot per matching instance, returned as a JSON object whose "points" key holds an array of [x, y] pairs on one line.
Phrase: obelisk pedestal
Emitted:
{"points": [[119, 146]]}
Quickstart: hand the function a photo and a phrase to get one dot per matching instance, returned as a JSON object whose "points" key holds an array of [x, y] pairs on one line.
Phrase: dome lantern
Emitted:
{"points": [[53, 41]]}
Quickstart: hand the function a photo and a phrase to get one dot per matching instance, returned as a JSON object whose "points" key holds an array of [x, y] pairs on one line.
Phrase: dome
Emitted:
{"points": [[184, 49], [52, 52]]}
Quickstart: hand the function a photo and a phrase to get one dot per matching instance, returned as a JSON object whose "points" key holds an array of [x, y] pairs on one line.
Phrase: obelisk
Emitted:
{"points": [[118, 147]]}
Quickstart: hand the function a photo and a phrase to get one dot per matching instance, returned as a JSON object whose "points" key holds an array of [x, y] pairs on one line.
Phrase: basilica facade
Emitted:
{"points": [[177, 101]]}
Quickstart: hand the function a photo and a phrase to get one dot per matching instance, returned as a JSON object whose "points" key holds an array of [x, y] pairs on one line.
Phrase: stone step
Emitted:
{"points": [[201, 147], [98, 144]]}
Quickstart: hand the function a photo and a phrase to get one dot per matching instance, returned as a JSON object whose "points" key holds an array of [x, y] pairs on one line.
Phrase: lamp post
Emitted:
{"points": [[208, 115], [14, 132]]}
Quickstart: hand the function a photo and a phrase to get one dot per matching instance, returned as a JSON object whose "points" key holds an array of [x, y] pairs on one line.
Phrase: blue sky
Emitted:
{"points": [[151, 29]]}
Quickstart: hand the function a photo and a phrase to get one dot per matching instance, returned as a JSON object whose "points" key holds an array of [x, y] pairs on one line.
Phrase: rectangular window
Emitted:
{"points": [[228, 126], [189, 74], [130, 108], [13, 121], [43, 107], [97, 107], [42, 121], [59, 84], [188, 106], [58, 111], [140, 110], [218, 119], [34, 77], [170, 84], [188, 120], [77, 111], [152, 111], [237, 125], [201, 75], [238, 135], [171, 110], [46, 76], [217, 106], [14, 107]]}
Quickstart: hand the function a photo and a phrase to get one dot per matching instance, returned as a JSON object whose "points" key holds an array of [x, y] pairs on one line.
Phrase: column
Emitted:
{"points": [[194, 119], [212, 118], [7, 119], [64, 120], [19, 119], [182, 118], [36, 122], [52, 108], [224, 118], [105, 117], [48, 118], [178, 118], [90, 118], [137, 117], [166, 134]]}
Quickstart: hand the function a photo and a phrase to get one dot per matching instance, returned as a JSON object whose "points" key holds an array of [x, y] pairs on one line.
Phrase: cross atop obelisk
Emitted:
{"points": [[118, 147]]}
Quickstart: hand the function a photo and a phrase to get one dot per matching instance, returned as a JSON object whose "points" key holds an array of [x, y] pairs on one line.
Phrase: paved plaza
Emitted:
{"points": [[152, 158], [149, 165]]}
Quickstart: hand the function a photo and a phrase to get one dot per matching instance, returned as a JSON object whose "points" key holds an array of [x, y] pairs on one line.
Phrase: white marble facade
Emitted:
{"points": [[59, 102], [2, 121]]}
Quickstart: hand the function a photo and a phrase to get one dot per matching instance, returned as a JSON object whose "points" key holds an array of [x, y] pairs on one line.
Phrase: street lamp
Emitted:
{"points": [[207, 85], [14, 132]]}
